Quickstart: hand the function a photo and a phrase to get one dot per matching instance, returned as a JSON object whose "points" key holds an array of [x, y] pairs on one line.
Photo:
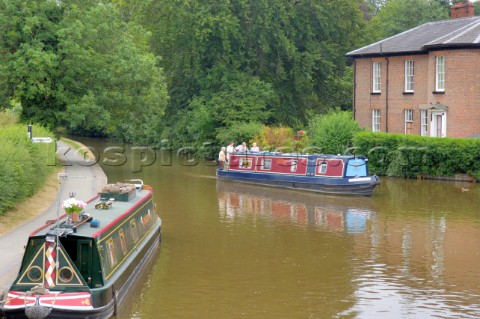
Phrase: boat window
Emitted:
{"points": [[146, 219], [133, 228], [111, 252], [123, 242], [356, 167], [35, 273], [266, 164], [322, 169], [65, 274], [245, 162], [293, 166]]}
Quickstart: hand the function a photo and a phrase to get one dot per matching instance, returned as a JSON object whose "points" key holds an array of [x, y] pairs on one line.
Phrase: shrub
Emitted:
{"points": [[412, 156], [333, 132], [24, 166], [280, 138]]}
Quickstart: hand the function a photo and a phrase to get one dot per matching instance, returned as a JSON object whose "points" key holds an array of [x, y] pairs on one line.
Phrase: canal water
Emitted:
{"points": [[231, 250]]}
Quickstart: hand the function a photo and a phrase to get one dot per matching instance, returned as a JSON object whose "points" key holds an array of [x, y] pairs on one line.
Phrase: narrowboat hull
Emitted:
{"points": [[364, 186], [79, 271]]}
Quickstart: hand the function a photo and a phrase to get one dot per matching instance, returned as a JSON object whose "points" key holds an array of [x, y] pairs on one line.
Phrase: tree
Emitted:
{"points": [[78, 64], [211, 115], [294, 47], [28, 63], [374, 6], [397, 16]]}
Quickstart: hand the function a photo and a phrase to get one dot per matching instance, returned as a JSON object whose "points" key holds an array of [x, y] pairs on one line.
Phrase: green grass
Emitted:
{"points": [[24, 166], [80, 148]]}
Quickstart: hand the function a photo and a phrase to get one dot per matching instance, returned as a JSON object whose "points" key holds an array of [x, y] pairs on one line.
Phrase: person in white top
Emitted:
{"points": [[242, 148], [230, 151], [221, 157], [254, 148]]}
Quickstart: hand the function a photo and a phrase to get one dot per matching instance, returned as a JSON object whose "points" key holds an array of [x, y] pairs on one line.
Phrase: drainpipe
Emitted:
{"points": [[354, 87], [386, 98], [386, 89]]}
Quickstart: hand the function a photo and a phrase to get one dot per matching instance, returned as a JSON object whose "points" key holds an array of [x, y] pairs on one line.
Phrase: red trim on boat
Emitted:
{"points": [[117, 220], [61, 300]]}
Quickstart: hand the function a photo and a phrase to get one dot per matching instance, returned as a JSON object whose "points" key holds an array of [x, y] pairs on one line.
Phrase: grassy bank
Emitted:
{"points": [[24, 166], [33, 205], [84, 151]]}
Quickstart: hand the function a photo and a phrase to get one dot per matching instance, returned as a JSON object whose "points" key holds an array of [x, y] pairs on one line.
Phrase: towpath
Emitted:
{"points": [[84, 178]]}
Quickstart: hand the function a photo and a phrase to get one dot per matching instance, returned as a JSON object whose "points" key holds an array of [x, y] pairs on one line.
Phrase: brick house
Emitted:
{"points": [[424, 81]]}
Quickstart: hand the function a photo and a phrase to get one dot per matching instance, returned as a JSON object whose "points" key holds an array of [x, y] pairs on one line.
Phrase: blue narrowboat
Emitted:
{"points": [[85, 268], [331, 174]]}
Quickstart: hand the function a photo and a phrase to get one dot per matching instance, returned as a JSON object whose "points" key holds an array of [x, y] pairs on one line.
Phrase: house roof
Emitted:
{"points": [[452, 33]]}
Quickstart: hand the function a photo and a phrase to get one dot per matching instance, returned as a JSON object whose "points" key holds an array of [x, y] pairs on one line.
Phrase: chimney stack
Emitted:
{"points": [[462, 10]]}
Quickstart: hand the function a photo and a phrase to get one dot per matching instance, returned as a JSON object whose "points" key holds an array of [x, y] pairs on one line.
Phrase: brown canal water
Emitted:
{"points": [[231, 250]]}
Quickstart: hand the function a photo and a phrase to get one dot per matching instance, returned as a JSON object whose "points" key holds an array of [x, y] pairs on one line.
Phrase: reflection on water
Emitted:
{"points": [[231, 250], [413, 256], [236, 201], [421, 254]]}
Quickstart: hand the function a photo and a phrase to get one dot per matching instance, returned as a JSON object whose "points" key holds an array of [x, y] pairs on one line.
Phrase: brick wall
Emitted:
{"points": [[462, 91]]}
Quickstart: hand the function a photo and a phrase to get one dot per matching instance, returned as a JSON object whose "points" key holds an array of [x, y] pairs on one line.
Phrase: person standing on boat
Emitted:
{"points": [[242, 148], [230, 151], [254, 148], [221, 157]]}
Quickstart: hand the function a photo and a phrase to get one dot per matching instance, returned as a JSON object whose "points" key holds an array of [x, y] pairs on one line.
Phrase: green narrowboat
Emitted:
{"points": [[84, 268]]}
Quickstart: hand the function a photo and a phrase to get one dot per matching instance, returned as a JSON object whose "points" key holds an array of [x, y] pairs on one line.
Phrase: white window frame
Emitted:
{"points": [[409, 75], [423, 123], [266, 164], [376, 77], [293, 166], [322, 169], [408, 118], [376, 120], [440, 73]]}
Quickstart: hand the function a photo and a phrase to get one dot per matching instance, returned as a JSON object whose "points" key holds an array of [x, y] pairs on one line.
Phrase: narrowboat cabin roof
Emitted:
{"points": [[106, 218], [300, 155]]}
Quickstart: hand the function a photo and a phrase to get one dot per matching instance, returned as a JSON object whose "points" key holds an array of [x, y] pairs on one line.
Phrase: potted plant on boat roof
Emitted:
{"points": [[73, 207]]}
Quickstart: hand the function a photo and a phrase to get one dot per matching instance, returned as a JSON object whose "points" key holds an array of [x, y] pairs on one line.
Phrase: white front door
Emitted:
{"points": [[438, 127]]}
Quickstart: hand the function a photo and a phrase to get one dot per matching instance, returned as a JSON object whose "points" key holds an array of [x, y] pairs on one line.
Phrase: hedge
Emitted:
{"points": [[412, 156], [24, 166]]}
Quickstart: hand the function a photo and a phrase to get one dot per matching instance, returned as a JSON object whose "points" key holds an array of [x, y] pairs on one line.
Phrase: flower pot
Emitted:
{"points": [[74, 217]]}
